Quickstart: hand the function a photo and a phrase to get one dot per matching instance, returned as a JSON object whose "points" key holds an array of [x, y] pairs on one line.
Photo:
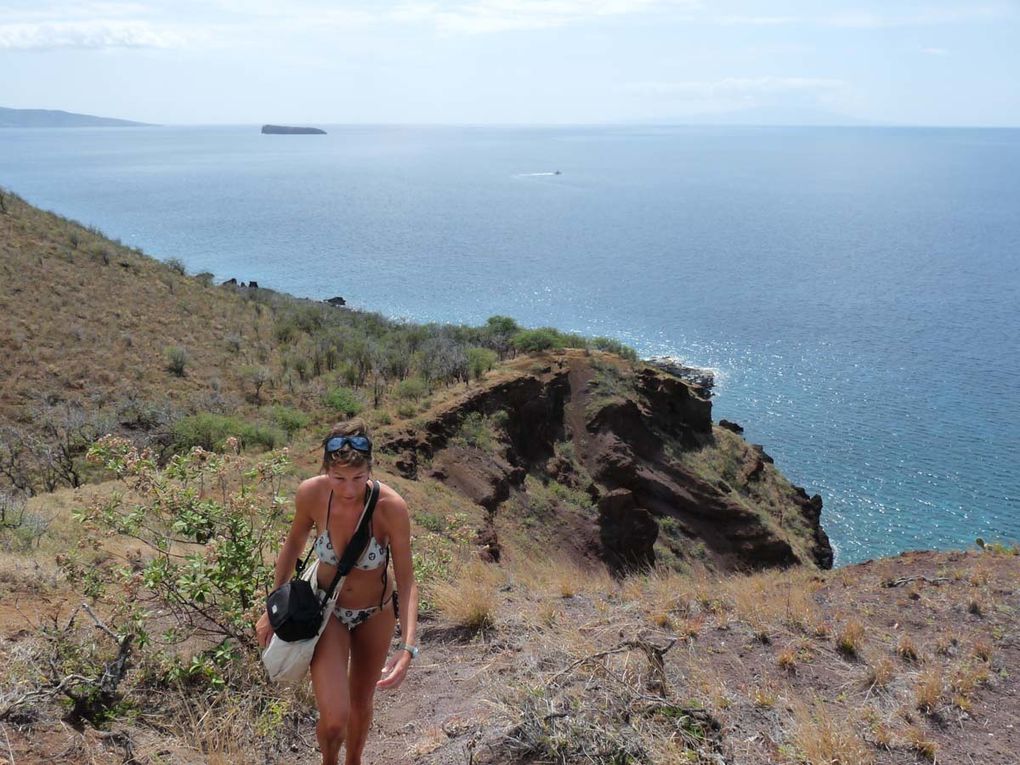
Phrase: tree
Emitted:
{"points": [[480, 361], [257, 377]]}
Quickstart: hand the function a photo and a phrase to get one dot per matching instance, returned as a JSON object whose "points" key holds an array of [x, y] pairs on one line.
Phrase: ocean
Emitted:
{"points": [[855, 289]]}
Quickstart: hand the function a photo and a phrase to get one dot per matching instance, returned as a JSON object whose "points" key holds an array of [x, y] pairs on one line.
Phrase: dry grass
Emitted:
{"points": [[850, 638], [917, 741], [771, 600], [470, 600], [928, 691], [881, 673], [983, 650], [906, 649], [822, 739], [787, 659]]}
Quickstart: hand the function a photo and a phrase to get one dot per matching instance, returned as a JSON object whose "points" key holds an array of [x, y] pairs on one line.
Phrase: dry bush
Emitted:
{"points": [[881, 673], [928, 690], [470, 599], [923, 746], [787, 659], [227, 726], [983, 650], [945, 645], [561, 577], [964, 678], [850, 639], [769, 599], [821, 739], [906, 649], [765, 695]]}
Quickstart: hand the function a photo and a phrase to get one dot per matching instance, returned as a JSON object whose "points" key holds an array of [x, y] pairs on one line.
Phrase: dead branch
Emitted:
{"points": [[907, 579], [654, 653]]}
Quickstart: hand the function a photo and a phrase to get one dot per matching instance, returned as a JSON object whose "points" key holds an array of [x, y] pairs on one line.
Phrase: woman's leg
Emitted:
{"points": [[370, 642], [332, 694]]}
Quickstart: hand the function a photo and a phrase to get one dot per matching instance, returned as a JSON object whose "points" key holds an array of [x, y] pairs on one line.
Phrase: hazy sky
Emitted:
{"points": [[514, 61]]}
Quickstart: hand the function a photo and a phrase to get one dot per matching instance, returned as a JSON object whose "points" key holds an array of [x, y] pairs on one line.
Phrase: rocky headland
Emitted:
{"points": [[644, 478]]}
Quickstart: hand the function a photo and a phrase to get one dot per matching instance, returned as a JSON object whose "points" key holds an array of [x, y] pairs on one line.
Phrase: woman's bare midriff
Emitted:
{"points": [[361, 589]]}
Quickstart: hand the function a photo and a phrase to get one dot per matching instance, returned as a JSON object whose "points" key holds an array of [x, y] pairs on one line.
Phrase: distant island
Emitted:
{"points": [[286, 130], [48, 118]]}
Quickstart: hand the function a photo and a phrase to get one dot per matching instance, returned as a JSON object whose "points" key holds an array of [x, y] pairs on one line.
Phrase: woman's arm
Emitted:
{"points": [[399, 527], [290, 550]]}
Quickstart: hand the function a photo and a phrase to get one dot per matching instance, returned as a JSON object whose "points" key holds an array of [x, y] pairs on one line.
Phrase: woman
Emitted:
{"points": [[348, 663]]}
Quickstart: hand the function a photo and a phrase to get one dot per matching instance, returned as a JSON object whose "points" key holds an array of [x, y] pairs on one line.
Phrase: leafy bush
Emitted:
{"points": [[609, 345], [210, 431], [545, 338], [412, 388], [476, 430], [207, 567], [176, 265], [343, 401], [480, 361], [289, 419]]}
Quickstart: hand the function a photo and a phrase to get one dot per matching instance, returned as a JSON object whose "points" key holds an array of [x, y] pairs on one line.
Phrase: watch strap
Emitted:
{"points": [[411, 649]]}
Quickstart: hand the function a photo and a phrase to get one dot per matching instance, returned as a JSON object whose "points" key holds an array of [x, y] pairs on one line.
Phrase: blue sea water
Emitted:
{"points": [[855, 288]]}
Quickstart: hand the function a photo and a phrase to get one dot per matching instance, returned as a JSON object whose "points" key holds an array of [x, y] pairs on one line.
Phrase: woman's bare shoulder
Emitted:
{"points": [[309, 489], [390, 502]]}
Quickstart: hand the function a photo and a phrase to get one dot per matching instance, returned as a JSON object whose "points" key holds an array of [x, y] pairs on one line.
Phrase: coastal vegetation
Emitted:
{"points": [[607, 575]]}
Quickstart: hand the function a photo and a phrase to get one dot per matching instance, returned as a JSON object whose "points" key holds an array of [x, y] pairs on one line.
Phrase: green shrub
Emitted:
{"points": [[176, 265], [210, 431], [205, 278], [412, 388], [476, 430], [176, 359], [179, 598], [289, 419], [609, 345], [545, 338], [531, 340], [343, 401], [480, 361]]}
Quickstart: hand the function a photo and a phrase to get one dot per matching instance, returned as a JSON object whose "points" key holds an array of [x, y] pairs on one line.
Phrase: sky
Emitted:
{"points": [[896, 62]]}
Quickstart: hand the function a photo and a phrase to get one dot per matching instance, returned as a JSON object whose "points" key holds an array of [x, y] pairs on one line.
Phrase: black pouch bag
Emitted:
{"points": [[295, 611]]}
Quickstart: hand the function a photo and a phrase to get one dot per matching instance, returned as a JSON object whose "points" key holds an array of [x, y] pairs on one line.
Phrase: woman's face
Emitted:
{"points": [[348, 481]]}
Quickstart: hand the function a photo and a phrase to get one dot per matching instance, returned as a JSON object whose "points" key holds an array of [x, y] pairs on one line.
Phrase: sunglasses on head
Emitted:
{"points": [[358, 443]]}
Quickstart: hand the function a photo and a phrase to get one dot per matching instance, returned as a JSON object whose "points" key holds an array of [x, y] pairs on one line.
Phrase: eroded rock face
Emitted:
{"points": [[627, 532], [619, 441]]}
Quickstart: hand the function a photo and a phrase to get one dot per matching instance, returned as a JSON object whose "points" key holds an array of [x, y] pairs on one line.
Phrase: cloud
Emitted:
{"points": [[482, 16], [931, 16], [88, 34], [738, 86]]}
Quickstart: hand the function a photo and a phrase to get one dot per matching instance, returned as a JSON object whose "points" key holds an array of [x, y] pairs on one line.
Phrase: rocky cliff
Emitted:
{"points": [[601, 459]]}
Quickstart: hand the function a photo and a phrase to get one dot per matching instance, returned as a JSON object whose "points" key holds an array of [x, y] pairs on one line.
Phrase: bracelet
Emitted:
{"points": [[411, 649]]}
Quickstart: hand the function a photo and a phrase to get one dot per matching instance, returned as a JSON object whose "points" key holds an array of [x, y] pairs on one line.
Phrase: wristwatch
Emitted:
{"points": [[411, 649]]}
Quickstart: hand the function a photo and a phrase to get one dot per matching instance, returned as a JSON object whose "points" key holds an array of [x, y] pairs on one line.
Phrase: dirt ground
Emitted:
{"points": [[952, 616]]}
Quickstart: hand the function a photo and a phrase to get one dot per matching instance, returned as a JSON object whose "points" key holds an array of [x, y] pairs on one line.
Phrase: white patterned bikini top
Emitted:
{"points": [[374, 556]]}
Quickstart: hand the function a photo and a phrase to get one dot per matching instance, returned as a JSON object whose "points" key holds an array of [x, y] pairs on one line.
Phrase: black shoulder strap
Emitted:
{"points": [[358, 542]]}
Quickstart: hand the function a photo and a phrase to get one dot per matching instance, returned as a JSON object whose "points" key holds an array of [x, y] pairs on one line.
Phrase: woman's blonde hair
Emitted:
{"points": [[348, 455]]}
